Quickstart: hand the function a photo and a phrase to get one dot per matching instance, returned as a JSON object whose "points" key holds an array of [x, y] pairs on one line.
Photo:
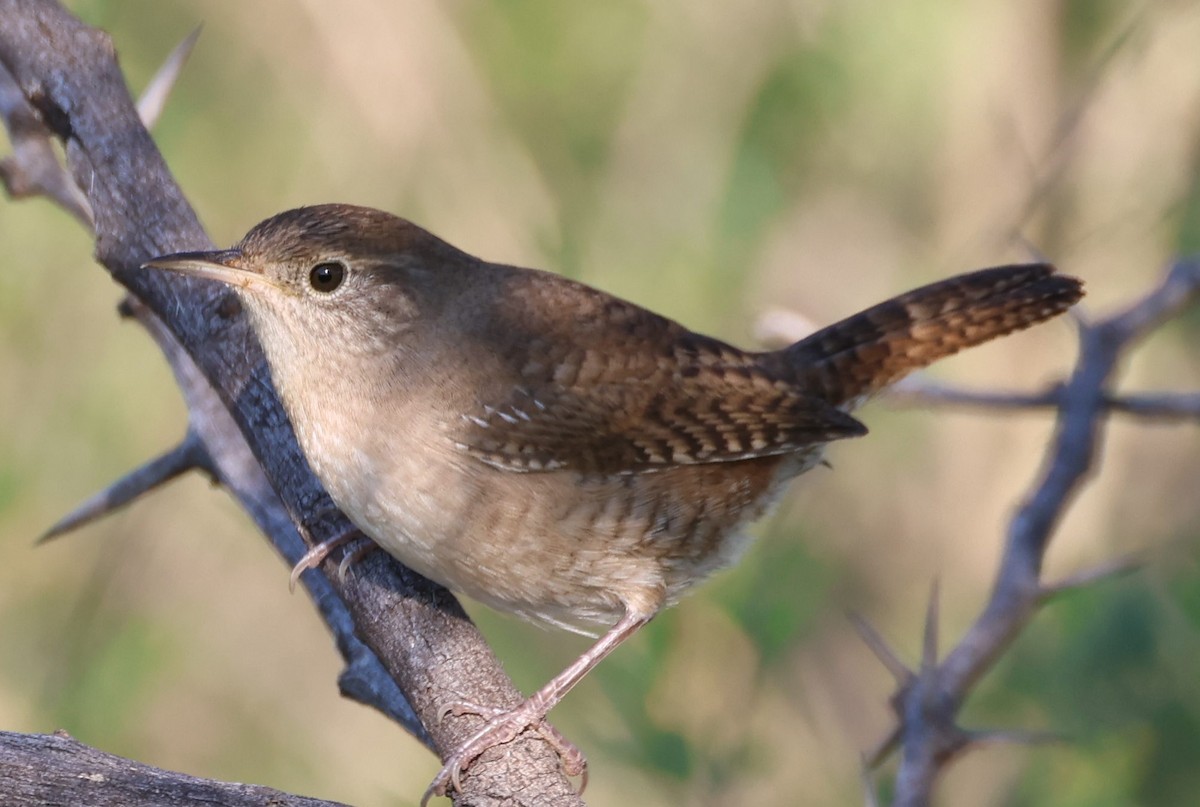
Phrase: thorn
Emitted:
{"points": [[880, 648], [186, 456], [929, 647], [154, 97], [883, 749], [1116, 567]]}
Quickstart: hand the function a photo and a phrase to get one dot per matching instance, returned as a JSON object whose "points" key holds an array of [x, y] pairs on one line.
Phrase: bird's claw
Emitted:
{"points": [[503, 727]]}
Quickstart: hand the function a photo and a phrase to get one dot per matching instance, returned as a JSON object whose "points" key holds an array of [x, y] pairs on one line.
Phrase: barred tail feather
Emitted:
{"points": [[855, 358]]}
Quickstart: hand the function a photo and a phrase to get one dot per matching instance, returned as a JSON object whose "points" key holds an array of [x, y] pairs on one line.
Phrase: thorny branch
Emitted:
{"points": [[927, 701], [398, 632], [364, 679]]}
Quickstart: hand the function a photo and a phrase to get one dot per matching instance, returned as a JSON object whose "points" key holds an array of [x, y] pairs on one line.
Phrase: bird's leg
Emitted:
{"points": [[504, 726]]}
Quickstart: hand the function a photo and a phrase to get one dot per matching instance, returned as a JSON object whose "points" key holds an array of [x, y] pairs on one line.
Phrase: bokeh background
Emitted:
{"points": [[712, 161]]}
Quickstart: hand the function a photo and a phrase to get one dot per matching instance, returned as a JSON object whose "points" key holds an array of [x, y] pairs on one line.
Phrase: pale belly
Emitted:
{"points": [[562, 548]]}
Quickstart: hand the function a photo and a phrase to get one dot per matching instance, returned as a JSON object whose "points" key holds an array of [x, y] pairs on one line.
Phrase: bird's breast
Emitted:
{"points": [[561, 547]]}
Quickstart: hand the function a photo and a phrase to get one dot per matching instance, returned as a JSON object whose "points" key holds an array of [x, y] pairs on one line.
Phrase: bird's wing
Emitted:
{"points": [[700, 415], [597, 384]]}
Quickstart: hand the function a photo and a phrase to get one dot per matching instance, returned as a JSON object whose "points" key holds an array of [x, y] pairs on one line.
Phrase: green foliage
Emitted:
{"points": [[100, 666], [1112, 670], [796, 106], [1086, 28], [777, 594], [537, 57]]}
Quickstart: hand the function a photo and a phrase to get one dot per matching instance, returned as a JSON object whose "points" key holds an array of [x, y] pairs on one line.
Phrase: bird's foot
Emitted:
{"points": [[503, 726], [315, 556]]}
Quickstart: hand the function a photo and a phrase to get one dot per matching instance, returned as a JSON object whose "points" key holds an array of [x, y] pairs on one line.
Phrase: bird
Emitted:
{"points": [[546, 448]]}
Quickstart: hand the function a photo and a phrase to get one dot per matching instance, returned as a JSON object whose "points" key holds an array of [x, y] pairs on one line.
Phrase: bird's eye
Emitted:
{"points": [[326, 277]]}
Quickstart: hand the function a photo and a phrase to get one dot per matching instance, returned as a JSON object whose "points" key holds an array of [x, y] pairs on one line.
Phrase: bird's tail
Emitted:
{"points": [[855, 358]]}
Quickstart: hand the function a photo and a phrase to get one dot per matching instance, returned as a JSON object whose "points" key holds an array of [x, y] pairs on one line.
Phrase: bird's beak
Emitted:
{"points": [[224, 265]]}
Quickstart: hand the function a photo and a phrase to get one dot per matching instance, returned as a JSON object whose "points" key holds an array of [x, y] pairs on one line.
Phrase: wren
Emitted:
{"points": [[546, 448]]}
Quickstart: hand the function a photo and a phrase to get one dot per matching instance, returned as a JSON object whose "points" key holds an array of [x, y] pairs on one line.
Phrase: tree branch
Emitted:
{"points": [[69, 83], [928, 705], [42, 769]]}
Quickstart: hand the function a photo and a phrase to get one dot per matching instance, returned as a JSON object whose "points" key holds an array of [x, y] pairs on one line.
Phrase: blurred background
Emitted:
{"points": [[711, 161]]}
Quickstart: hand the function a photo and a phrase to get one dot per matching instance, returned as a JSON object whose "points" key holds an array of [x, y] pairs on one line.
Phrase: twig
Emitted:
{"points": [[921, 390], [930, 704]]}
